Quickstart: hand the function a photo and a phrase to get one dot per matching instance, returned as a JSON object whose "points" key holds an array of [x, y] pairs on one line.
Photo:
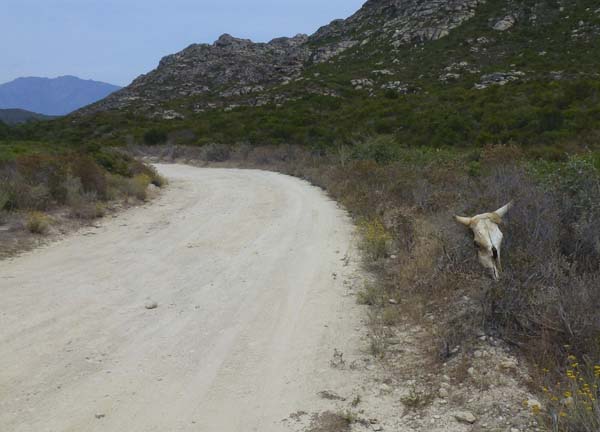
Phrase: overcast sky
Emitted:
{"points": [[117, 40]]}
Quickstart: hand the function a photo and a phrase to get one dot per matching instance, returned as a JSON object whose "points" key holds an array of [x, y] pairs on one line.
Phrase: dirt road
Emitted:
{"points": [[248, 271]]}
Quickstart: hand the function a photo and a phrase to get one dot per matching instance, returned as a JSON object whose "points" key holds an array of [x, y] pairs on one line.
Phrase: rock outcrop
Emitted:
{"points": [[404, 21], [214, 75], [230, 66]]}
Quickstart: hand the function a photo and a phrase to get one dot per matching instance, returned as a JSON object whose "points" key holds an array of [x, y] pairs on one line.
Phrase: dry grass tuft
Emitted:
{"points": [[418, 399], [375, 238], [37, 223]]}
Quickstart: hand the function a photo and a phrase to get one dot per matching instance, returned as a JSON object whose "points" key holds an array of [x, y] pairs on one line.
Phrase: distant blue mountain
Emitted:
{"points": [[56, 96]]}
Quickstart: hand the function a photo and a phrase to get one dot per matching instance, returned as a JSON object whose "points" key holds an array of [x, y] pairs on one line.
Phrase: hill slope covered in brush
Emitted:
{"points": [[435, 72], [18, 116]]}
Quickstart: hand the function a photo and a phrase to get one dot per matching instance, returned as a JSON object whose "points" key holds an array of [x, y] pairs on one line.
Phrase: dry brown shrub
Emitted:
{"points": [[92, 177], [37, 223]]}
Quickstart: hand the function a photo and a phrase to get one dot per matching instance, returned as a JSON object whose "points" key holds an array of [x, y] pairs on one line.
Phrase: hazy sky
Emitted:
{"points": [[117, 40]]}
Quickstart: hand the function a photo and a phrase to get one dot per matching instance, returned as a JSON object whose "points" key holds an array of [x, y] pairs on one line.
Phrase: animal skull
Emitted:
{"points": [[488, 237]]}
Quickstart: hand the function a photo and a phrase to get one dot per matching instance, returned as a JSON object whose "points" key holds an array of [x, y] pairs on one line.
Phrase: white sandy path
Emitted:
{"points": [[241, 263]]}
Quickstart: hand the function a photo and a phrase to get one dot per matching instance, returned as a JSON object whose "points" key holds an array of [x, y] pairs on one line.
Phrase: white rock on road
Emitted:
{"points": [[240, 262], [465, 417]]}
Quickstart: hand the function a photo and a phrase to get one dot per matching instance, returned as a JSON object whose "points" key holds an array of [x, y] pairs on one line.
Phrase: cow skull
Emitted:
{"points": [[488, 237]]}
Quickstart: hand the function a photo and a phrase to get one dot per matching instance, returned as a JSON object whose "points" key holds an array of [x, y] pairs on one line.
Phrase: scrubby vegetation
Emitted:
{"points": [[573, 401], [37, 223], [553, 106], [41, 182], [555, 116], [404, 200]]}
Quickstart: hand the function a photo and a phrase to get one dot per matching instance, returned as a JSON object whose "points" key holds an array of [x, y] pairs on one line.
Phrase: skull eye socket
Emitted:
{"points": [[495, 252]]}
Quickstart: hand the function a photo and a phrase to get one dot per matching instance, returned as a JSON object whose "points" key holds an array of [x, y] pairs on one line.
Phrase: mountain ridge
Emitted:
{"points": [[232, 67], [52, 96], [234, 72]]}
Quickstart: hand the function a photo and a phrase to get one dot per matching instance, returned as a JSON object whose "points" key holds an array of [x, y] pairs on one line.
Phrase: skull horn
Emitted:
{"points": [[503, 210], [463, 220]]}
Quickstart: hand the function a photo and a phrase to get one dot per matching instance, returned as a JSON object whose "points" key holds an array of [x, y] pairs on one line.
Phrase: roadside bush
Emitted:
{"points": [[138, 186], [376, 238], [155, 178], [88, 210], [38, 181], [28, 197], [37, 223], [37, 168], [381, 149], [114, 162], [92, 177]]}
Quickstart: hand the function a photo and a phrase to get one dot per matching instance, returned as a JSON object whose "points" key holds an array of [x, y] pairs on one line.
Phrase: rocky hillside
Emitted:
{"points": [[399, 22], [229, 67], [235, 71], [232, 67], [427, 72]]}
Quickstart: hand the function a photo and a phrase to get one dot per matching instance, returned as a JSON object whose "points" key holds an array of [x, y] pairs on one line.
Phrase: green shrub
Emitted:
{"points": [[391, 94], [5, 131], [114, 162], [381, 149], [155, 137]]}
